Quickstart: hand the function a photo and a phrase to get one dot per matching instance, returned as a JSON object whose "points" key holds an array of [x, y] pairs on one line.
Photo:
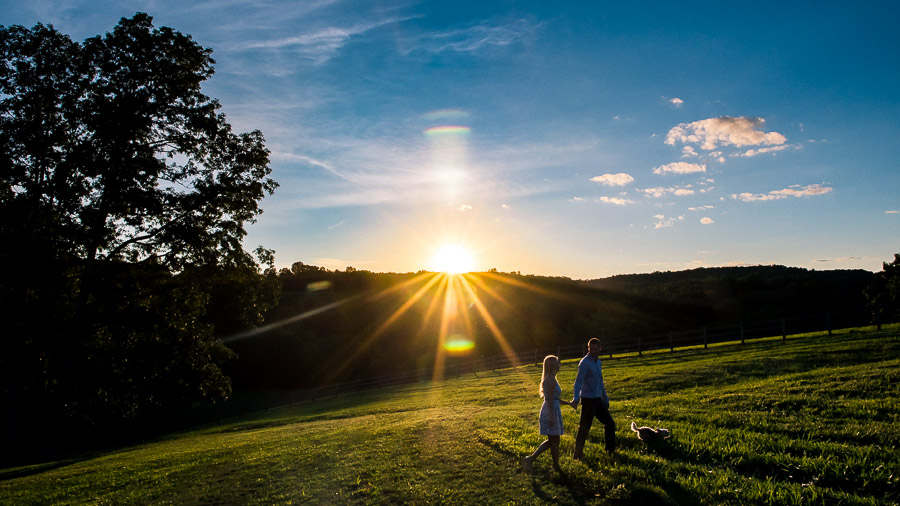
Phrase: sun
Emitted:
{"points": [[452, 259]]}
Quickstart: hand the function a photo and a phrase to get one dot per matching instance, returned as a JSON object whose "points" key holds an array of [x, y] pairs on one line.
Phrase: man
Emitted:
{"points": [[591, 392]]}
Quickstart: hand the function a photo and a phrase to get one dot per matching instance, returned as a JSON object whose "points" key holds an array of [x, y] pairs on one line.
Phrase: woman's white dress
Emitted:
{"points": [[550, 410]]}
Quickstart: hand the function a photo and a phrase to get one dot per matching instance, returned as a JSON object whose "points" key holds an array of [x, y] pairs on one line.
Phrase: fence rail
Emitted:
{"points": [[705, 336]]}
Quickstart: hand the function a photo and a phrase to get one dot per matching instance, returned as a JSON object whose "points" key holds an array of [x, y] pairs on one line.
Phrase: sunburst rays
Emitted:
{"points": [[451, 310]]}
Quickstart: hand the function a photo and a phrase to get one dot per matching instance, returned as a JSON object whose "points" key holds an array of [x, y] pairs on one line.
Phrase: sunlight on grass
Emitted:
{"points": [[810, 420]]}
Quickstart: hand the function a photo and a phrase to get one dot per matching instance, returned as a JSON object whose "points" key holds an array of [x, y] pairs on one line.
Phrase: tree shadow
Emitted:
{"points": [[21, 472]]}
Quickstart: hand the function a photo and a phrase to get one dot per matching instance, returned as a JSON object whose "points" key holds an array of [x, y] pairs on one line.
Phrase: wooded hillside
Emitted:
{"points": [[382, 323]]}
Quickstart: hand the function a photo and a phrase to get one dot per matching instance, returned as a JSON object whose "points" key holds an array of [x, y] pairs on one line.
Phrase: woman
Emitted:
{"points": [[551, 414]]}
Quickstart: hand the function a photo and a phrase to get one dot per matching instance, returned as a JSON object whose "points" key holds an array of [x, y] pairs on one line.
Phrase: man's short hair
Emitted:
{"points": [[594, 340]]}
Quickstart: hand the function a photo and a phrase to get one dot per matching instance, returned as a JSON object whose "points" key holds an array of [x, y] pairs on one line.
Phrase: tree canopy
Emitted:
{"points": [[111, 148], [124, 195]]}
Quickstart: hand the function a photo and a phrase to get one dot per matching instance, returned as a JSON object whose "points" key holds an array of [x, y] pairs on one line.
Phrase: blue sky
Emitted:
{"points": [[579, 139]]}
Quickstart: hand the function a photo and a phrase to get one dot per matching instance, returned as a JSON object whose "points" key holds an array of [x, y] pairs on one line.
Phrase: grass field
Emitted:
{"points": [[811, 420]]}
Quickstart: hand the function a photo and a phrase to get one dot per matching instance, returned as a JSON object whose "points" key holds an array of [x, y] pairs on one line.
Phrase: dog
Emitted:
{"points": [[650, 435]]}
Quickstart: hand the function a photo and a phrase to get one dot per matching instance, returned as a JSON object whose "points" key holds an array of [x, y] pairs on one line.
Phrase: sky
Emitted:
{"points": [[576, 139]]}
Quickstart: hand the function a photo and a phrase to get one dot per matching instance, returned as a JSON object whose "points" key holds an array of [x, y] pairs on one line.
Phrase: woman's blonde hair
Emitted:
{"points": [[551, 367]]}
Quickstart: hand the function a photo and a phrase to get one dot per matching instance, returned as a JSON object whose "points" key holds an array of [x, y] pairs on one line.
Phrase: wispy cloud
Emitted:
{"points": [[620, 179], [724, 131], [474, 38], [841, 259], [760, 151], [680, 168], [319, 45], [793, 191], [892, 212], [677, 102], [706, 220]]}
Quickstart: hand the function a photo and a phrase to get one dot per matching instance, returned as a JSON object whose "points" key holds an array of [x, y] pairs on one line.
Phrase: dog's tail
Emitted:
{"points": [[634, 427]]}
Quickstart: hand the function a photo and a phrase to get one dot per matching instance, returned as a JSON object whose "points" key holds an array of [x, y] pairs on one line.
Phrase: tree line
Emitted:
{"points": [[397, 318]]}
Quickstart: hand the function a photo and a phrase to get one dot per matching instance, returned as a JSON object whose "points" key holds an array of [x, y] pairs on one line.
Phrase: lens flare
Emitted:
{"points": [[458, 345], [447, 130]]}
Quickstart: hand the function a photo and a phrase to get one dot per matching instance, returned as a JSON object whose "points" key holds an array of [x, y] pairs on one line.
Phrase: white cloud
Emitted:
{"points": [[753, 152], [700, 208], [677, 102], [706, 220], [688, 152], [892, 212], [663, 222], [660, 191], [680, 168], [724, 131], [620, 179], [617, 201], [655, 192], [793, 191], [465, 207]]}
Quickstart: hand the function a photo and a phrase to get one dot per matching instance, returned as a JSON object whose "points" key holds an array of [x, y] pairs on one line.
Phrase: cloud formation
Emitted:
{"points": [[753, 152], [321, 45], [677, 102], [620, 179], [663, 222], [792, 191], [680, 168], [659, 191], [724, 131], [615, 200], [474, 38]]}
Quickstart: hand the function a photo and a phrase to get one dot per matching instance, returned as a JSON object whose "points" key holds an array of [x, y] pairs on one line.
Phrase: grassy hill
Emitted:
{"points": [[814, 419]]}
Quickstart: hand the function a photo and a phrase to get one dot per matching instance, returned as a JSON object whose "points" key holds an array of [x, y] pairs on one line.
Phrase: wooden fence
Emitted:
{"points": [[705, 336]]}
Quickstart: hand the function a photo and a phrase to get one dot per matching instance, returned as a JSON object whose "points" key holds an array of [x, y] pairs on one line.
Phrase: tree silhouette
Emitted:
{"points": [[124, 195], [883, 293]]}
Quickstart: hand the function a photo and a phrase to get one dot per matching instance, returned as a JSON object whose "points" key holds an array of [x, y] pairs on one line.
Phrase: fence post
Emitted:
{"points": [[783, 329], [671, 343], [828, 322], [535, 357], [742, 332], [639, 346], [704, 337]]}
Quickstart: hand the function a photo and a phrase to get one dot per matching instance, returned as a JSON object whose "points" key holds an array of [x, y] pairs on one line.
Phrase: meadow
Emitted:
{"points": [[814, 419]]}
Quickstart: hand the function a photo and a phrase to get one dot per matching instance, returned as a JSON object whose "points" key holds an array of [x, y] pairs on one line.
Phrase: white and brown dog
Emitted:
{"points": [[650, 435]]}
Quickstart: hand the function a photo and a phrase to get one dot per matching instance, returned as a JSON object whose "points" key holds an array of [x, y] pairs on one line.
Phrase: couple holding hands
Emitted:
{"points": [[589, 391]]}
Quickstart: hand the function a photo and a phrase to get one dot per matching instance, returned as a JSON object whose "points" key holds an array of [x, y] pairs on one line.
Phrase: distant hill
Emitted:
{"points": [[338, 325], [748, 293]]}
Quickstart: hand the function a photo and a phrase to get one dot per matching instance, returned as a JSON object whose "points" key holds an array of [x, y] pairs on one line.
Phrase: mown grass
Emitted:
{"points": [[810, 420]]}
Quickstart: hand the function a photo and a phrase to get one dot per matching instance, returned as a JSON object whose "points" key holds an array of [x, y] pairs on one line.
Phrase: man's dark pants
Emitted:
{"points": [[590, 408]]}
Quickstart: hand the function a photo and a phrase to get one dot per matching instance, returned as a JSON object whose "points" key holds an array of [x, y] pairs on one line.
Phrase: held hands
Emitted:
{"points": [[574, 405]]}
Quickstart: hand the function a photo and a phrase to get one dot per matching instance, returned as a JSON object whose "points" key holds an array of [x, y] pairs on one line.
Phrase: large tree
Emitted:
{"points": [[120, 181], [883, 293]]}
